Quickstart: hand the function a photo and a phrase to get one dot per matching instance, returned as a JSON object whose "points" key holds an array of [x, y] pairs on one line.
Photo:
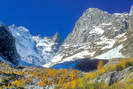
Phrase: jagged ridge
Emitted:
{"points": [[98, 34]]}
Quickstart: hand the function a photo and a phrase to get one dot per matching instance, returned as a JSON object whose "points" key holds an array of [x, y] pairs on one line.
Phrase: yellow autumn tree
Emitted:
{"points": [[100, 67]]}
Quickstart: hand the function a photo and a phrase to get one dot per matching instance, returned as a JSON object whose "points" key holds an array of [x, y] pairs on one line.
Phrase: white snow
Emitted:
{"points": [[47, 43], [47, 47], [18, 34], [58, 58], [25, 45], [113, 53], [108, 42], [33, 49], [121, 14], [106, 24], [48, 65], [21, 28], [79, 55], [121, 35], [36, 38], [131, 10], [117, 14], [97, 30]]}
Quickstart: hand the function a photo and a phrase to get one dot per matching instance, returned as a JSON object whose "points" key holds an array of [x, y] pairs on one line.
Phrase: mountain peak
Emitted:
{"points": [[131, 10], [97, 34], [92, 11], [56, 37]]}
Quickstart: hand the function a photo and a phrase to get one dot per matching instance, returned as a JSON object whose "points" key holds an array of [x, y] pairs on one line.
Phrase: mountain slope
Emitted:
{"points": [[8, 52], [111, 76], [47, 47], [98, 34], [33, 50]]}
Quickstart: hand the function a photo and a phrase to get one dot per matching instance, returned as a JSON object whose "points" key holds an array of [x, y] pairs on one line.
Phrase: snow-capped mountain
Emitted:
{"points": [[98, 34], [33, 50], [47, 47]]}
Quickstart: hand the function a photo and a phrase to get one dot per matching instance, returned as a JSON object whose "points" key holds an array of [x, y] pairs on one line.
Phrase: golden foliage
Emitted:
{"points": [[18, 83], [122, 64], [87, 83], [101, 67], [69, 79], [42, 83]]}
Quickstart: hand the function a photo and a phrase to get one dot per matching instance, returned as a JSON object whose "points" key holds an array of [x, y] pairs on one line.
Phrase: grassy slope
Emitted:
{"points": [[63, 79]]}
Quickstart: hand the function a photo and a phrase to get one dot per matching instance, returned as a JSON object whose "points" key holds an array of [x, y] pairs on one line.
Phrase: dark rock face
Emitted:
{"points": [[7, 46]]}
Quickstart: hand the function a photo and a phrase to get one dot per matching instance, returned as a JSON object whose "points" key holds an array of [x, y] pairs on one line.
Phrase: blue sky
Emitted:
{"points": [[46, 17]]}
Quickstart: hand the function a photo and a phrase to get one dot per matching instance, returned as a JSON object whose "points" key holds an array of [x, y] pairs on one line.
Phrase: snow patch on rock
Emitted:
{"points": [[97, 30], [108, 42], [113, 53], [80, 55]]}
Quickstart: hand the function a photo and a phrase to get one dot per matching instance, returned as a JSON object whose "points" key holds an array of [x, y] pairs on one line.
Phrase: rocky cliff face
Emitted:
{"points": [[115, 76], [98, 34], [18, 46], [98, 31], [33, 50], [47, 46], [8, 52]]}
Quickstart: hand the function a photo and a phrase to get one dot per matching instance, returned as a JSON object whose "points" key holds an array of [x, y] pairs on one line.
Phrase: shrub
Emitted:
{"points": [[122, 64], [18, 83], [41, 84], [101, 67]]}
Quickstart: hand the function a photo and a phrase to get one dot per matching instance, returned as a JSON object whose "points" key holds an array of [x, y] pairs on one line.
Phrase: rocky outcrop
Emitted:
{"points": [[7, 46], [115, 76], [47, 47]]}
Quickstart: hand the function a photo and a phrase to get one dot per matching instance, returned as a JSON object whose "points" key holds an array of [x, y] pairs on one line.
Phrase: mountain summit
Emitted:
{"points": [[98, 34], [131, 10]]}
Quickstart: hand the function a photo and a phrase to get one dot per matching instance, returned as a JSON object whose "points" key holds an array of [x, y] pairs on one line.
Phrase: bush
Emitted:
{"points": [[41, 84]]}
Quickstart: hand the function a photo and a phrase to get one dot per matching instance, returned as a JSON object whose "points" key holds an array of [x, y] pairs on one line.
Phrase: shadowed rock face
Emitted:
{"points": [[7, 46]]}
